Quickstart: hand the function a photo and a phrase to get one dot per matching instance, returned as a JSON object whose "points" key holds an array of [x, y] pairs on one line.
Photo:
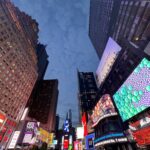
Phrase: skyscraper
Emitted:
{"points": [[18, 60], [87, 91], [18, 65], [103, 15], [42, 64], [133, 22], [43, 108]]}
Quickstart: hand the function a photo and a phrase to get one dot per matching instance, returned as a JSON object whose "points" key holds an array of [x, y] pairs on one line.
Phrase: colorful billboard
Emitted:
{"points": [[44, 135], [6, 131], [103, 108], [2, 119], [30, 132], [134, 95], [66, 126]]}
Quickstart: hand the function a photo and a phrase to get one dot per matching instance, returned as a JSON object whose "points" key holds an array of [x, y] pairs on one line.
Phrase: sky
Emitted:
{"points": [[63, 28]]}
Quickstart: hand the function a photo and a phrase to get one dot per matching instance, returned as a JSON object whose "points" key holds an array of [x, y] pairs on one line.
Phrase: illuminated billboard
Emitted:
{"points": [[134, 95], [14, 140], [108, 58], [66, 125], [80, 133], [103, 108], [2, 119], [89, 141], [30, 132], [142, 137]]}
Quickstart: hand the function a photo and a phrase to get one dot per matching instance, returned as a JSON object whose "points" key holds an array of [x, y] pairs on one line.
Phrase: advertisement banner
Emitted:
{"points": [[103, 108], [44, 135], [2, 119], [132, 97], [142, 136], [30, 133], [50, 138]]}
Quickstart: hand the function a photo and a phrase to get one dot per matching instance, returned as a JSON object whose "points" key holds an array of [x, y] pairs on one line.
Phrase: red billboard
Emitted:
{"points": [[84, 124], [142, 136], [66, 143], [2, 119]]}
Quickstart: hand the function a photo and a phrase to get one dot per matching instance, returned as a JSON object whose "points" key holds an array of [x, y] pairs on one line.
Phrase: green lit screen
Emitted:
{"points": [[134, 95]]}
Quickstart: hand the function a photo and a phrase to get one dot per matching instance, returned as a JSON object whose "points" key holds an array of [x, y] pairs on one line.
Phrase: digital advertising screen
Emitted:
{"points": [[30, 131], [103, 108], [2, 118], [134, 95], [89, 141], [80, 132]]}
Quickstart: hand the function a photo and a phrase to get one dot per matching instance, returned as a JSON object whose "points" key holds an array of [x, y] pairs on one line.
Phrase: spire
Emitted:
{"points": [[70, 114], [67, 116]]}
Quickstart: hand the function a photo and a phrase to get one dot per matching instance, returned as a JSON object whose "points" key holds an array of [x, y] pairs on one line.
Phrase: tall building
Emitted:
{"points": [[87, 91], [18, 60], [42, 64], [103, 15], [18, 65], [43, 108], [133, 22]]}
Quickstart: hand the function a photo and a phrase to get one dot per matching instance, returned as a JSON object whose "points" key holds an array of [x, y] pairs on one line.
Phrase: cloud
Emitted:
{"points": [[64, 28]]}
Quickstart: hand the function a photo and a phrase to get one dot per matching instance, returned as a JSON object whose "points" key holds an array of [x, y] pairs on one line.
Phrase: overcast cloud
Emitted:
{"points": [[64, 29]]}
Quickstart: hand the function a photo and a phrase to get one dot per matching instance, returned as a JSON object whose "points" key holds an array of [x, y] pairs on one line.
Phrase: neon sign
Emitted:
{"points": [[66, 126]]}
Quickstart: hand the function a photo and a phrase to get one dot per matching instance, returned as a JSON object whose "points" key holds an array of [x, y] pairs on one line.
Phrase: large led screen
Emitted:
{"points": [[103, 108], [134, 95]]}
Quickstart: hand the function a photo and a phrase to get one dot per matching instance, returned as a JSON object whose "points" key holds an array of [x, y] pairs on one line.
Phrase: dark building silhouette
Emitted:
{"points": [[133, 22], [43, 108], [42, 64], [103, 15], [87, 91], [42, 57], [57, 125]]}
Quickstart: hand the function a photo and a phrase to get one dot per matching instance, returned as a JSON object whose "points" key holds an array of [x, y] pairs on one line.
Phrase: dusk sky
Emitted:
{"points": [[63, 28]]}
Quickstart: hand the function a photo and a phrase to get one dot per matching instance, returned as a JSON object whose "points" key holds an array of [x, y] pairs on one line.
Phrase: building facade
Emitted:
{"points": [[42, 65], [133, 22], [87, 91], [18, 60], [43, 108], [103, 15], [18, 65]]}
